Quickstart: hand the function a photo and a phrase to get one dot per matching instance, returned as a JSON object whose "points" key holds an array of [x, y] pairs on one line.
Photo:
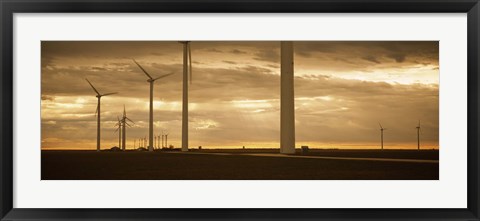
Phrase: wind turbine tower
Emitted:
{"points": [[119, 129], [98, 111], [166, 140], [163, 140], [150, 125], [418, 136], [124, 124], [381, 132], [287, 102], [187, 74]]}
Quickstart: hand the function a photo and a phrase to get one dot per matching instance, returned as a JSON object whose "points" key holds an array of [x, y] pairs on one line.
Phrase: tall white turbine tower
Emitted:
{"points": [[150, 126], [287, 102], [187, 74], [418, 135], [381, 133], [98, 111]]}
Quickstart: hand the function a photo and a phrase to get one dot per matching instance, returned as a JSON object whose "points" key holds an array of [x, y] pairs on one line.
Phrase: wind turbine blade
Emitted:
{"points": [[190, 62], [116, 130], [380, 125], [128, 124], [165, 75], [144, 71], [109, 94], [130, 120], [92, 86]]}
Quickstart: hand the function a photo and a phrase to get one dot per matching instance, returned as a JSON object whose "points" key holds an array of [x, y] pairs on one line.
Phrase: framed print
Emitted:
{"points": [[239, 110]]}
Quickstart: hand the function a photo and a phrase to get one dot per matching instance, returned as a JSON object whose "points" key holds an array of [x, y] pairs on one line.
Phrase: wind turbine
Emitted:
{"points": [[418, 135], [124, 124], [166, 140], [119, 129], [98, 111], [187, 71], [150, 126], [381, 130], [163, 135]]}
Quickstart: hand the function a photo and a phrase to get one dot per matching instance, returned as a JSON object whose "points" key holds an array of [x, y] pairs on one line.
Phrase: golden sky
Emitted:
{"points": [[342, 91]]}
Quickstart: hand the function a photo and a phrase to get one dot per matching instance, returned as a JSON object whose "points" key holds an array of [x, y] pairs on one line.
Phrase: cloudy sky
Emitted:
{"points": [[342, 91]]}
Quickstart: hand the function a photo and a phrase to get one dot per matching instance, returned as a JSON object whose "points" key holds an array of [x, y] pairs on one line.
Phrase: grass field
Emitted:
{"points": [[238, 165]]}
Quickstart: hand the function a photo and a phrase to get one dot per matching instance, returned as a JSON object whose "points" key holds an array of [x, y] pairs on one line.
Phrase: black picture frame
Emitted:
{"points": [[9, 7]]}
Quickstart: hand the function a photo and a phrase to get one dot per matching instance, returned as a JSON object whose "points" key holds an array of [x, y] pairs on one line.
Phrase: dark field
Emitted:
{"points": [[237, 165]]}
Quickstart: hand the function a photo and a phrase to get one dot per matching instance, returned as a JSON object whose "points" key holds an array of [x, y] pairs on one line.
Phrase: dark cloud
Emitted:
{"points": [[46, 97], [365, 55], [236, 51], [230, 62], [371, 58], [268, 55], [398, 57], [214, 50]]}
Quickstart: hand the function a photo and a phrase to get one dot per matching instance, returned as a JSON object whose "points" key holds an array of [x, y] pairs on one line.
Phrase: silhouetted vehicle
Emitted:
{"points": [[113, 149], [304, 149]]}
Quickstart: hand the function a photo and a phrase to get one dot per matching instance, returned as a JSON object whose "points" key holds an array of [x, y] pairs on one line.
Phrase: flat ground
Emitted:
{"points": [[259, 164]]}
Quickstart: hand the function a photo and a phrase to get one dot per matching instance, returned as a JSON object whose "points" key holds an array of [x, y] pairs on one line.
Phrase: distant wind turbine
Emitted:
{"points": [[150, 126], [166, 140], [98, 111], [381, 131], [418, 135], [119, 129], [163, 136], [124, 124], [187, 74]]}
